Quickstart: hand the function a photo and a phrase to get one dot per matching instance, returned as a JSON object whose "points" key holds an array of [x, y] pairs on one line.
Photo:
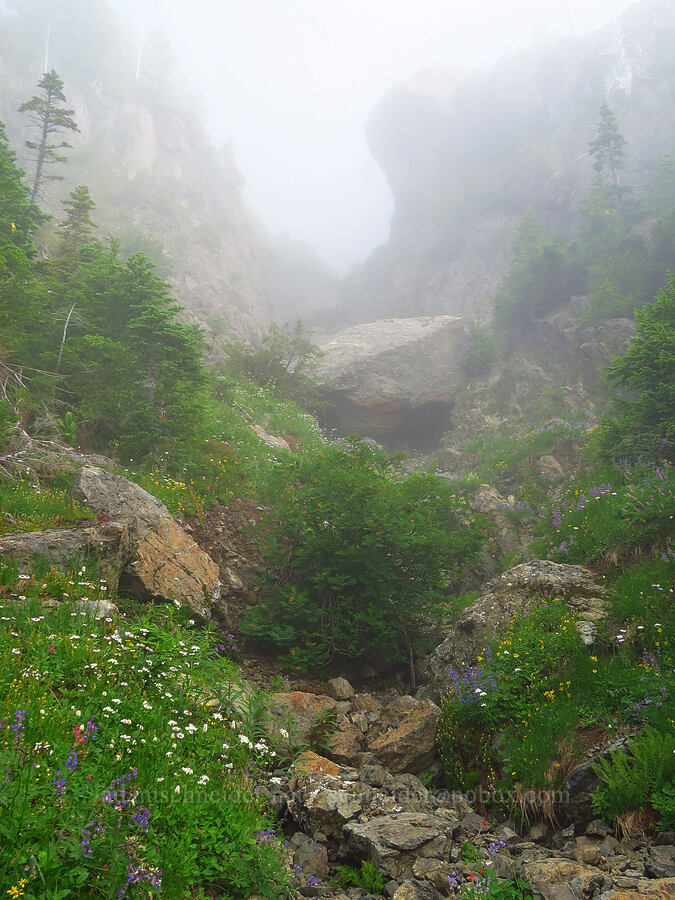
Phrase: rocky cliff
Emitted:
{"points": [[159, 184], [467, 155]]}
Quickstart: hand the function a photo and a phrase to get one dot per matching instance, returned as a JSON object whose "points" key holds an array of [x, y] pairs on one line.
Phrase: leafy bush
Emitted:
{"points": [[663, 801], [360, 556], [284, 361], [629, 779], [543, 275]]}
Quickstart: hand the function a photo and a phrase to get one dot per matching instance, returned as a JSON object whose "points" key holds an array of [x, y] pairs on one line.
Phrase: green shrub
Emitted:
{"points": [[483, 351], [360, 556], [663, 801], [629, 779], [644, 423], [284, 361]]}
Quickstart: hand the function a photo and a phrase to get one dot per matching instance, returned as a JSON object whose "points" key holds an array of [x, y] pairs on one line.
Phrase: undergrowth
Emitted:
{"points": [[128, 750]]}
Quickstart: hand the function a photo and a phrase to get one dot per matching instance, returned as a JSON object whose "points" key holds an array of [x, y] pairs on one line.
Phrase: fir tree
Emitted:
{"points": [[608, 143], [49, 116], [77, 229]]}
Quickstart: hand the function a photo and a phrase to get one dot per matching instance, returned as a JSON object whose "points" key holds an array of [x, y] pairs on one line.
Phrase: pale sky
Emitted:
{"points": [[291, 82]]}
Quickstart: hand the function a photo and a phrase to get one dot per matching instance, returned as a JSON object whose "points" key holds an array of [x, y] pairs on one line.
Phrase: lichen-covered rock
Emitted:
{"points": [[305, 710], [346, 746], [563, 878], [489, 616], [163, 561], [109, 542], [392, 843], [409, 743], [415, 890], [340, 689]]}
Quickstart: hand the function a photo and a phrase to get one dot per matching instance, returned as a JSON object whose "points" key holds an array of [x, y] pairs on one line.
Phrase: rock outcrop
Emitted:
{"points": [[139, 547], [394, 378], [164, 560], [488, 617], [415, 838], [467, 154]]}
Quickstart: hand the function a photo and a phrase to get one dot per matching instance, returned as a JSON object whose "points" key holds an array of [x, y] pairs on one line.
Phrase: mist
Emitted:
{"points": [[291, 84]]}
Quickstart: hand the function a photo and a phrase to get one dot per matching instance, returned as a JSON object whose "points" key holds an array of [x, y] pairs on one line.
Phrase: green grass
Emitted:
{"points": [[610, 513], [23, 507], [230, 460], [125, 742]]}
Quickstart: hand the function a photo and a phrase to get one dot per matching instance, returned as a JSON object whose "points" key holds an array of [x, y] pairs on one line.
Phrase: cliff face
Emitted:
{"points": [[158, 183], [467, 156]]}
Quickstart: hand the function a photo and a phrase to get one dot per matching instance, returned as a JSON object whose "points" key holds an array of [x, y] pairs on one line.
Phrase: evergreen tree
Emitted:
{"points": [[49, 116], [18, 216], [542, 276], [644, 424], [607, 145], [77, 229]]}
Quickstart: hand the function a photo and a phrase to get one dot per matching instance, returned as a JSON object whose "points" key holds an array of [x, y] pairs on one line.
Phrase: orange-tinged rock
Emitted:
{"points": [[309, 763]]}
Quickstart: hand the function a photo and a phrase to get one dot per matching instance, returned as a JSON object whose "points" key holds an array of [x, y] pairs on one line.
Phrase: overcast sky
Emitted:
{"points": [[290, 83]]}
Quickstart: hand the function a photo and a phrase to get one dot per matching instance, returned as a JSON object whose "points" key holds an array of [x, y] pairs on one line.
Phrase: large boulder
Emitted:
{"points": [[392, 843], [375, 383], [489, 616], [162, 559], [404, 737]]}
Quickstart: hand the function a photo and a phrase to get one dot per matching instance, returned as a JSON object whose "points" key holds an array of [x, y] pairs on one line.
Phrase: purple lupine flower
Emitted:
{"points": [[59, 786], [142, 819], [71, 762], [17, 725]]}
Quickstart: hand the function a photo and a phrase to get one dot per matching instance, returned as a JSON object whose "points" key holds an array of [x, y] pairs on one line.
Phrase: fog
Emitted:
{"points": [[291, 82]]}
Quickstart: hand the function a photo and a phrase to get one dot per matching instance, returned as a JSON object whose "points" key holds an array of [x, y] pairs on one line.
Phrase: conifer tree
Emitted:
{"points": [[608, 143], [49, 116], [77, 228]]}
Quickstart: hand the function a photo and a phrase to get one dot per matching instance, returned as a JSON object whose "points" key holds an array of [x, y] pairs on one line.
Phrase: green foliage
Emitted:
{"points": [[645, 423], [607, 145], [516, 718], [367, 878], [483, 351], [612, 511], [69, 428], [629, 779], [19, 218], [284, 362], [23, 507], [663, 801], [49, 116], [543, 275], [360, 556], [77, 229], [110, 756]]}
